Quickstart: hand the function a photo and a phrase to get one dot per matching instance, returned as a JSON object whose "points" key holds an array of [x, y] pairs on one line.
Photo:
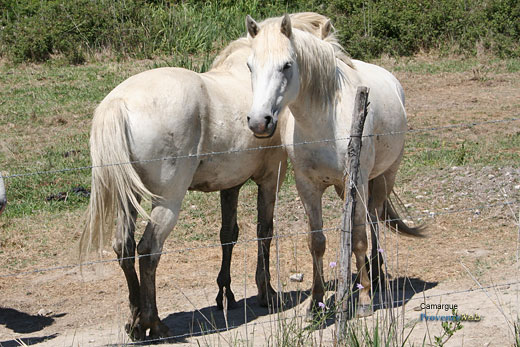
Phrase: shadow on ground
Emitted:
{"points": [[23, 341], [210, 320], [398, 292], [24, 323]]}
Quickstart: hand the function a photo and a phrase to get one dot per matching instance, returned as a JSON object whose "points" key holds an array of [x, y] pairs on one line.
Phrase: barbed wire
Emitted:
{"points": [[430, 215], [242, 150]]}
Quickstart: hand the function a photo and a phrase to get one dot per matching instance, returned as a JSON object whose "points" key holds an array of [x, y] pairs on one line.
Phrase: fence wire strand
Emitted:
{"points": [[236, 151], [431, 215]]}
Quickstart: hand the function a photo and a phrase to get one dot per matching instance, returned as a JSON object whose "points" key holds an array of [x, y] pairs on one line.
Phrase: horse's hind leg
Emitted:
{"points": [[165, 212], [380, 188], [377, 189], [124, 246], [228, 236]]}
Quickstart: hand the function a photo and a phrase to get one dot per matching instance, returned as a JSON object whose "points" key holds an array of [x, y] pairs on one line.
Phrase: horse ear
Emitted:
{"points": [[286, 27], [326, 29], [252, 26]]}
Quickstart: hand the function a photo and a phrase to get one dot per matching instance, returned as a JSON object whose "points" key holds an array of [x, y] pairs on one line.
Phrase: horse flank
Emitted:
{"points": [[115, 183]]}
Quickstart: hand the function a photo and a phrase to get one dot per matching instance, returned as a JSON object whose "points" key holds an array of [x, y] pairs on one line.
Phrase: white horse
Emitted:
{"points": [[3, 199], [158, 125], [291, 68]]}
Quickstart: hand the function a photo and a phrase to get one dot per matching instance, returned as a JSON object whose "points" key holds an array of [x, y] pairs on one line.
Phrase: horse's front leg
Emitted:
{"points": [[359, 248], [311, 195], [228, 236], [124, 246], [264, 231]]}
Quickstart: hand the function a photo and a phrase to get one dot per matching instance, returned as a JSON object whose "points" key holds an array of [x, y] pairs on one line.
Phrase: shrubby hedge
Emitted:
{"points": [[403, 27], [33, 30]]}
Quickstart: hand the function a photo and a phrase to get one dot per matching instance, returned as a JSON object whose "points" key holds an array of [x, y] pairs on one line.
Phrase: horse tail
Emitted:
{"points": [[116, 186], [394, 221]]}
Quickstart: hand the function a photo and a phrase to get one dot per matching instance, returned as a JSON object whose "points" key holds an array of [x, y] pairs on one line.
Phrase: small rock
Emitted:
{"points": [[408, 205], [44, 312], [491, 176], [296, 277], [517, 187]]}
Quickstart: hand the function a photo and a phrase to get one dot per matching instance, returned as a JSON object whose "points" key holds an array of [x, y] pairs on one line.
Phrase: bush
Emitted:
{"points": [[403, 27], [33, 30]]}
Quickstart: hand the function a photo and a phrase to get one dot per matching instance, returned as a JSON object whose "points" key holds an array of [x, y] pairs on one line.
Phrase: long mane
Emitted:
{"points": [[319, 72], [309, 22]]}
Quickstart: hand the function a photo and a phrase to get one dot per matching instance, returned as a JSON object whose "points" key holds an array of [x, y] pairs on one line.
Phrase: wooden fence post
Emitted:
{"points": [[343, 302]]}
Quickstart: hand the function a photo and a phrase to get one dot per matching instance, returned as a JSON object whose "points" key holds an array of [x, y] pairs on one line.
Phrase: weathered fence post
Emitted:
{"points": [[343, 302]]}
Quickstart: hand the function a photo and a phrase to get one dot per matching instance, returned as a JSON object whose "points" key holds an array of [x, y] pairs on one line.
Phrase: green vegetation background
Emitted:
{"points": [[34, 30]]}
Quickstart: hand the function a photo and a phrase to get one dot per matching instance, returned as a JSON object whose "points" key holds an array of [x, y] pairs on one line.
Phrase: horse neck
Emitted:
{"points": [[317, 65], [312, 121], [320, 118]]}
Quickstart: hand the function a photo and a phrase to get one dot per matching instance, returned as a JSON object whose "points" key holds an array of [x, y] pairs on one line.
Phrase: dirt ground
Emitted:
{"points": [[467, 248]]}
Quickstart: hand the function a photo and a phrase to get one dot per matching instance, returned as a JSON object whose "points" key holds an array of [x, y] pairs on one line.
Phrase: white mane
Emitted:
{"points": [[309, 22], [316, 58]]}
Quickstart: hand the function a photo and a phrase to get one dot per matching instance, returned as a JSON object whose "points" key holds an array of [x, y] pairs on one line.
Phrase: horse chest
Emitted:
{"points": [[320, 164]]}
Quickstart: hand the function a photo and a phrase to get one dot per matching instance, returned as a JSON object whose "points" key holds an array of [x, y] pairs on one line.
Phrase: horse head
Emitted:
{"points": [[274, 74]]}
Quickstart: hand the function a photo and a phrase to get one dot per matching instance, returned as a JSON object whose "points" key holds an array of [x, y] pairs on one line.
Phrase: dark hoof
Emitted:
{"points": [[231, 302], [159, 331], [269, 298], [135, 332]]}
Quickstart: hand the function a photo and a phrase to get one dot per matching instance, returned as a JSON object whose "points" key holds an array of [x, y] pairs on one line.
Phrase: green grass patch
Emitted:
{"points": [[426, 152]]}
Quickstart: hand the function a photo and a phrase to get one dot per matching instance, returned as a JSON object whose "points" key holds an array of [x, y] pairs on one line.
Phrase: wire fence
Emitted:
{"points": [[259, 148], [428, 215], [327, 315]]}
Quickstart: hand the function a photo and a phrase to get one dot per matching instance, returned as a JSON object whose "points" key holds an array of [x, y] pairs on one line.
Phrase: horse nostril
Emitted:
{"points": [[268, 120], [248, 119]]}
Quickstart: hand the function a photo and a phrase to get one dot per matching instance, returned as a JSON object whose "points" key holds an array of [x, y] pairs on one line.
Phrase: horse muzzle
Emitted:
{"points": [[262, 126]]}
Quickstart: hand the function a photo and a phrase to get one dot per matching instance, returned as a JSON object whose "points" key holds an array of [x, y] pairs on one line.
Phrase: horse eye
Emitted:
{"points": [[287, 66]]}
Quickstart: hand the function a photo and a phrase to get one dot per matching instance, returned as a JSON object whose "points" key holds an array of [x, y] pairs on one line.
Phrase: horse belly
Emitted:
{"points": [[224, 171]]}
